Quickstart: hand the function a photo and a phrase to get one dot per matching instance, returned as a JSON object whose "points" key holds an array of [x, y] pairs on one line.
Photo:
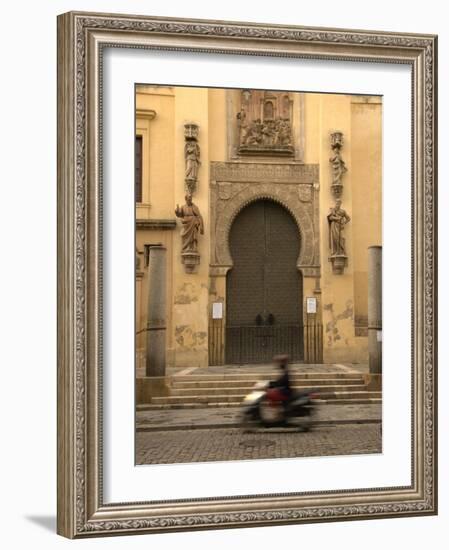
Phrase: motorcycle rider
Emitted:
{"points": [[282, 383]]}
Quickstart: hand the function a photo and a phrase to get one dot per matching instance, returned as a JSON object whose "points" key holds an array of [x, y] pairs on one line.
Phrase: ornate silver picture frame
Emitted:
{"points": [[82, 40]]}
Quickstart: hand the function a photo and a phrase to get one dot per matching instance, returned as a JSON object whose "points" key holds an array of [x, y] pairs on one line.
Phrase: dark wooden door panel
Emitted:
{"points": [[263, 295], [282, 288], [246, 280]]}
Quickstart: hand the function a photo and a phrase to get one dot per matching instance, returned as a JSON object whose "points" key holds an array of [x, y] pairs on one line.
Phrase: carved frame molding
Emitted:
{"points": [[81, 40], [296, 187]]}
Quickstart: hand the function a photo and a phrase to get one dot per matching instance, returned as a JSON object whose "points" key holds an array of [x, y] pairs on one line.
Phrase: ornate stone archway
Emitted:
{"points": [[235, 185]]}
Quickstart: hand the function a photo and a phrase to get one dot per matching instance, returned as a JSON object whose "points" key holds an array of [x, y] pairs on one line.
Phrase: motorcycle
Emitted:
{"points": [[265, 406]]}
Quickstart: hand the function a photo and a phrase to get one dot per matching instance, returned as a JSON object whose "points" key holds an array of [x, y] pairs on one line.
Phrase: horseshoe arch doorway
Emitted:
{"points": [[264, 290]]}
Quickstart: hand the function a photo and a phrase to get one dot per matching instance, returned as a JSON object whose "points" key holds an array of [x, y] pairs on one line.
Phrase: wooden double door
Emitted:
{"points": [[264, 287]]}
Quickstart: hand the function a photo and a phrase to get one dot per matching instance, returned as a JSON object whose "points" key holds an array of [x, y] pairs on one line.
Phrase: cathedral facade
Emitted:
{"points": [[265, 204]]}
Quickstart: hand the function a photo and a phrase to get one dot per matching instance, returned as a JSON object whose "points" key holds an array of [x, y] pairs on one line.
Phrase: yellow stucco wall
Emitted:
{"points": [[366, 132], [342, 298]]}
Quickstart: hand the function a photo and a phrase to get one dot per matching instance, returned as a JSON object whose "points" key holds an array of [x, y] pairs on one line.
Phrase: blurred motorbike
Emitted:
{"points": [[266, 406]]}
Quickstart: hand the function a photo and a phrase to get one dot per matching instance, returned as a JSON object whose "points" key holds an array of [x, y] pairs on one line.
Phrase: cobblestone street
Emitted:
{"points": [[216, 417], [205, 445]]}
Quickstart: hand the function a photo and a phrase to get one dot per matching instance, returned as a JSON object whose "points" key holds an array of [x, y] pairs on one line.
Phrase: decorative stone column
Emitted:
{"points": [[156, 321], [375, 309]]}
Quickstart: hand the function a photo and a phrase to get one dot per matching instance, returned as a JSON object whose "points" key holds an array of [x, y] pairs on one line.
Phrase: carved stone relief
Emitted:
{"points": [[252, 172], [235, 185], [265, 123], [305, 193]]}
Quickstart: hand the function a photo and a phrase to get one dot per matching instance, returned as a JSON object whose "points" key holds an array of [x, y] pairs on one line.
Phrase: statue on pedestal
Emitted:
{"points": [[338, 164], [337, 219], [192, 156], [192, 225]]}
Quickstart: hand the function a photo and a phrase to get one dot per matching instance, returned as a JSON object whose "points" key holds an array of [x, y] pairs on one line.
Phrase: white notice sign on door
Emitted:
{"points": [[311, 305]]}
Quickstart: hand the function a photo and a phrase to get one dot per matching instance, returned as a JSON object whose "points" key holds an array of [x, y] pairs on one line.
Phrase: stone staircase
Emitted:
{"points": [[228, 390]]}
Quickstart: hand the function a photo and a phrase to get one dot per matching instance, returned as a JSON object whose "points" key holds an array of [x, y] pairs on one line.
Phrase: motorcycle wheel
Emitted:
{"points": [[247, 423], [271, 414], [306, 420]]}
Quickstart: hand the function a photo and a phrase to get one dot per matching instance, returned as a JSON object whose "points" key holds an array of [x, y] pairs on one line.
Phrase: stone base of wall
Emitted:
{"points": [[355, 353], [190, 358], [149, 387], [373, 382]]}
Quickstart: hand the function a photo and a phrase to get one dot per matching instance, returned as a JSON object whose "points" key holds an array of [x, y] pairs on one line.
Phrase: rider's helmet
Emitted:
{"points": [[281, 360]]}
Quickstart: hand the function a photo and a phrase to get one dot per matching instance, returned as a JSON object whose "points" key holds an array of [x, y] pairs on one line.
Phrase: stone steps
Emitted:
{"points": [[249, 384], [218, 399], [228, 389], [242, 391], [267, 375], [355, 401]]}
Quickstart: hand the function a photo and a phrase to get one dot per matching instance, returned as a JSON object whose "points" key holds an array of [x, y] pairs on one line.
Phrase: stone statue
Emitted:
{"points": [[337, 219], [243, 125], [192, 224], [192, 156], [337, 163], [338, 167]]}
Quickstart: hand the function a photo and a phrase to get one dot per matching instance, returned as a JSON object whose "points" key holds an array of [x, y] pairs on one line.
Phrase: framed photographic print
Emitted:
{"points": [[247, 274]]}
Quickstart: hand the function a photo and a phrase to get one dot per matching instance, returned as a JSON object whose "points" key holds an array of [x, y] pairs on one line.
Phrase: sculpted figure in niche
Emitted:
{"points": [[192, 155], [337, 219], [243, 126], [192, 224], [338, 166]]}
